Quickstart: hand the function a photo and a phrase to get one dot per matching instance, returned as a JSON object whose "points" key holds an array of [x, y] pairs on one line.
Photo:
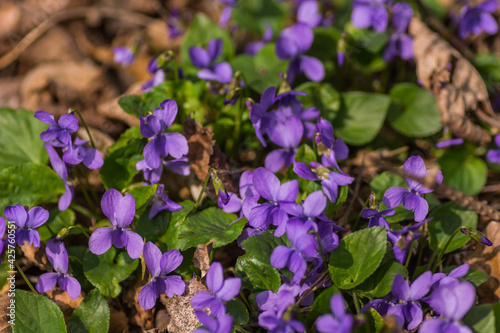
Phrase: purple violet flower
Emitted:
{"points": [[339, 321], [448, 143], [60, 168], [329, 148], [205, 60], [409, 308], [153, 176], [58, 257], [223, 324], [220, 291], [412, 198], [76, 153], [26, 221], [370, 13], [161, 201], [123, 56], [159, 266], [474, 19], [376, 218], [493, 155], [58, 134], [400, 44], [120, 210], [253, 48], [452, 300], [303, 249], [174, 24], [477, 236], [330, 180], [3, 226], [270, 188], [308, 12], [232, 206], [292, 43], [401, 239], [162, 144]]}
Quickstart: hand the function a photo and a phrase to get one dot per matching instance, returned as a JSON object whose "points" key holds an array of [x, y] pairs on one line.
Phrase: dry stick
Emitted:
{"points": [[344, 218], [68, 14]]}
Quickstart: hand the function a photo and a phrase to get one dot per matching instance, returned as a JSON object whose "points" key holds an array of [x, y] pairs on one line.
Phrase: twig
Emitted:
{"points": [[357, 186], [69, 14]]}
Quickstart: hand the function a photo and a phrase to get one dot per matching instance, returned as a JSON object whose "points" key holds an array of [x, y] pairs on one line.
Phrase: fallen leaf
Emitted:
{"points": [[64, 302], [201, 257], [459, 89], [4, 319]]}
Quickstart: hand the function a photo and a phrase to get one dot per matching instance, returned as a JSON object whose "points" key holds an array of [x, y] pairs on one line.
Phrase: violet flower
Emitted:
{"points": [[123, 56], [220, 291], [159, 266], [205, 60], [475, 19], [58, 134], [456, 273], [253, 48], [493, 155], [174, 24], [308, 12], [162, 144], [477, 236], [161, 202], [370, 13], [330, 180], [270, 188], [451, 142], [409, 308], [120, 210], [401, 239], [26, 221], [339, 321], [376, 218], [223, 324], [232, 206], [58, 257], [330, 148], [3, 226], [76, 152], [60, 168], [292, 43], [452, 300], [158, 75], [303, 249], [412, 198], [400, 44], [178, 165]]}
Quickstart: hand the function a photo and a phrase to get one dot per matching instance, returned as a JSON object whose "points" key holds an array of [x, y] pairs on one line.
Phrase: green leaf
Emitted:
{"points": [[446, 219], [211, 224], [57, 220], [321, 305], [256, 275], [473, 276], [256, 14], [133, 104], [108, 270], [305, 154], [20, 138], [462, 170], [324, 46], [481, 319], [76, 255], [256, 264], [496, 310], [201, 30], [142, 194], [36, 313], [119, 166], [322, 96], [379, 283], [261, 71], [383, 181], [357, 257], [155, 228], [238, 311], [29, 184], [92, 315], [413, 111], [361, 117], [175, 225]]}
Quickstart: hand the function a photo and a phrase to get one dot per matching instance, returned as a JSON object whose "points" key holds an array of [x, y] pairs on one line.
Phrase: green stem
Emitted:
{"points": [[315, 147], [84, 125], [410, 250], [249, 306], [238, 328], [356, 302], [441, 254], [87, 182], [358, 217], [84, 211], [84, 190], [321, 249], [25, 278], [203, 189]]}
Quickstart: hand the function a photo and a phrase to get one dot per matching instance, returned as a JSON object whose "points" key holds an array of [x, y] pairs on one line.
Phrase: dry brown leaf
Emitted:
{"points": [[200, 145], [182, 317], [10, 14], [63, 301], [138, 315], [36, 256], [112, 110], [118, 321], [4, 319], [201, 257], [487, 260], [162, 320], [459, 89]]}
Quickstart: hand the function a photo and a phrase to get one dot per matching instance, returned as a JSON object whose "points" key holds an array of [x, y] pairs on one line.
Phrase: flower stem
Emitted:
{"points": [[84, 190], [84, 211], [84, 125], [356, 302], [203, 189], [25, 278], [441, 254]]}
